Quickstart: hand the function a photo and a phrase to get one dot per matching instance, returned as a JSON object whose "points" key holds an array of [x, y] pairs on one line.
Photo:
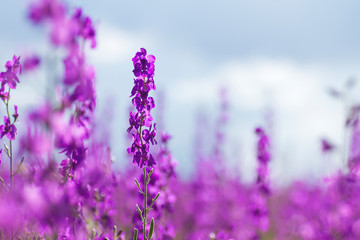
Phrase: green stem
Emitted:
{"points": [[145, 204], [145, 178], [11, 154]]}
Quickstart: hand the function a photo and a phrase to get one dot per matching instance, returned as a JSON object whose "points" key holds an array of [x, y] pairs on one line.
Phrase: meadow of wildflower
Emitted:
{"points": [[58, 179]]}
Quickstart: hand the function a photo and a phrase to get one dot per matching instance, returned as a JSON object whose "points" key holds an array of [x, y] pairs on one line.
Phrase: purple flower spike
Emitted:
{"points": [[141, 120], [258, 205]]}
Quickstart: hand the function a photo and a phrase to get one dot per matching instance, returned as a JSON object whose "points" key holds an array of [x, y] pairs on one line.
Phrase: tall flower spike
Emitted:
{"points": [[263, 157], [8, 80], [142, 130], [141, 126], [259, 198]]}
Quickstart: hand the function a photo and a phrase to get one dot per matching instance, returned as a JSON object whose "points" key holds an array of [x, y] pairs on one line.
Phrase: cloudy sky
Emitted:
{"points": [[271, 55]]}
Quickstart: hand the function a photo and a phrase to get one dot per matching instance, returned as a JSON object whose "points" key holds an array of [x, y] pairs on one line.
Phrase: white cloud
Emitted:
{"points": [[254, 81], [114, 45], [304, 112]]}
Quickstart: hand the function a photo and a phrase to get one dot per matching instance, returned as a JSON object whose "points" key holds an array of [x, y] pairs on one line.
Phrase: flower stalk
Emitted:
{"points": [[9, 80], [142, 129]]}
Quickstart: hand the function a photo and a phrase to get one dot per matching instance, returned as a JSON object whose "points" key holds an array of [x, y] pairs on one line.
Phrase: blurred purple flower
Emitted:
{"points": [[8, 129], [30, 63], [326, 146], [13, 68]]}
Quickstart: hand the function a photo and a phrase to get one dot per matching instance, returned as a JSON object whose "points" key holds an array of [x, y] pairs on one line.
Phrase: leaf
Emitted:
{"points": [[150, 173], [140, 212], [153, 201], [135, 234], [151, 231], [138, 185], [157, 196]]}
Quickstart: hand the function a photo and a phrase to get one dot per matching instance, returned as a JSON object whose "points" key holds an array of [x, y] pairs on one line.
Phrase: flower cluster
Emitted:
{"points": [[65, 30], [354, 153], [141, 121], [160, 182], [259, 197], [8, 80], [71, 32], [263, 157], [9, 77]]}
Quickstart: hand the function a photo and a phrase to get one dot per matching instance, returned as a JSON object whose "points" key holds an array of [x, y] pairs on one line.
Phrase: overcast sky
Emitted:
{"points": [[280, 55]]}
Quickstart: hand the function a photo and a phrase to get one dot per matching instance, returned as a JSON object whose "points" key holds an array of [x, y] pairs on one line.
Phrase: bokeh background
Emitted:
{"points": [[277, 60]]}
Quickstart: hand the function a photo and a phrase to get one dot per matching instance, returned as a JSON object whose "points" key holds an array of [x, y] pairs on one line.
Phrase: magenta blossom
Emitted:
{"points": [[8, 129], [30, 63], [13, 68], [141, 121]]}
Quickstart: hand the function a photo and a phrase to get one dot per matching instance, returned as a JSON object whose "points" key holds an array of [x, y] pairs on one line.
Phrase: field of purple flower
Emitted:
{"points": [[61, 182]]}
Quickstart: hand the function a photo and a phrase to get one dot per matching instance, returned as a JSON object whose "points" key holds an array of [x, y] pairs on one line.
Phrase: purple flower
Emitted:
{"points": [[30, 63], [141, 120], [151, 161], [15, 115], [263, 153], [150, 104], [165, 137], [259, 199], [13, 65], [36, 142], [144, 67], [326, 146], [134, 121], [8, 129], [78, 97], [46, 9], [13, 68], [263, 157], [4, 95], [149, 135], [85, 27]]}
